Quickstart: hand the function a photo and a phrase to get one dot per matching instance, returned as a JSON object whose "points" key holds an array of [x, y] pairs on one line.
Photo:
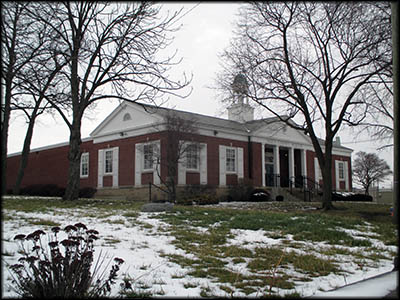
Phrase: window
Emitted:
{"points": [[148, 156], [109, 160], [192, 157], [85, 164], [230, 160], [341, 170], [127, 117]]}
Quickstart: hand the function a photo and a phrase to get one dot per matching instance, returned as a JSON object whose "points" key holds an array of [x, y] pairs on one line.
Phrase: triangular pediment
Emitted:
{"points": [[278, 130], [127, 116]]}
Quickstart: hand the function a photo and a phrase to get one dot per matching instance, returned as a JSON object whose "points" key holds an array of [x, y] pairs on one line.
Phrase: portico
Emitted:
{"points": [[283, 165]]}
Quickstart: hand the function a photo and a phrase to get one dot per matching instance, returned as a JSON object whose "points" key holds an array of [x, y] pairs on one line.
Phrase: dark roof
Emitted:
{"points": [[212, 121], [244, 128]]}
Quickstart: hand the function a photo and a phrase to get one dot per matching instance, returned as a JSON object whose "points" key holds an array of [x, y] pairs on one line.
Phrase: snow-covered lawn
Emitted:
{"points": [[147, 246]]}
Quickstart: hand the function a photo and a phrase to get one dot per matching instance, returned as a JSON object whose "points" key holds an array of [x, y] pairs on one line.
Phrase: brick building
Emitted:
{"points": [[120, 153]]}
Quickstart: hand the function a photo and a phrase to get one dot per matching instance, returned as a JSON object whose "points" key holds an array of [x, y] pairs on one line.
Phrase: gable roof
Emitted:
{"points": [[202, 120]]}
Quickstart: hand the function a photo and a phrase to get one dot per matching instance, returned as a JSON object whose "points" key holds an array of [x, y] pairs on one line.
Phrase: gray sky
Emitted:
{"points": [[206, 32]]}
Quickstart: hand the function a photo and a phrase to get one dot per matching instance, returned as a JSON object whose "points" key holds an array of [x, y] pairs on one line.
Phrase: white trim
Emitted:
{"points": [[85, 154], [240, 162], [263, 164], [277, 168], [108, 150], [317, 170], [346, 175], [138, 164], [222, 165], [100, 168], [235, 171], [291, 162], [203, 163], [195, 170], [58, 145], [304, 165], [115, 166], [156, 164]]}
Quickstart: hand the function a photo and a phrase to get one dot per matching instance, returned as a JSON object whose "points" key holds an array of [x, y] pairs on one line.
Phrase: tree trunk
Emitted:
{"points": [[4, 134], [74, 158], [25, 153], [327, 191], [327, 181]]}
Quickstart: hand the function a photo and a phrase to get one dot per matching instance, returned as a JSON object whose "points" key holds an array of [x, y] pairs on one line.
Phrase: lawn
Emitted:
{"points": [[268, 249]]}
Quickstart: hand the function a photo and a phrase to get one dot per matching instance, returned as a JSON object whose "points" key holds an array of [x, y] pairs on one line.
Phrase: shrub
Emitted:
{"points": [[241, 191], [62, 269], [199, 194], [43, 190], [205, 199], [53, 190], [351, 197], [87, 192]]}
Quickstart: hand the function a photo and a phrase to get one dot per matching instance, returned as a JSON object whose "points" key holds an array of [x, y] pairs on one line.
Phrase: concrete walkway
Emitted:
{"points": [[380, 286]]}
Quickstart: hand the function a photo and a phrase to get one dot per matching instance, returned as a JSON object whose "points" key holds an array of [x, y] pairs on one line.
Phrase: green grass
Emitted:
{"points": [[204, 232]]}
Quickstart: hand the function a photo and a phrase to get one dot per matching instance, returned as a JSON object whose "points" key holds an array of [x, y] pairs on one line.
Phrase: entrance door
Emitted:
{"points": [[284, 167], [269, 175], [297, 168]]}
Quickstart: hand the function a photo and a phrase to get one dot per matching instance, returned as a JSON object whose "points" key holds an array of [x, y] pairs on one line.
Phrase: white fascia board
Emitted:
{"points": [[62, 144], [127, 133], [108, 119]]}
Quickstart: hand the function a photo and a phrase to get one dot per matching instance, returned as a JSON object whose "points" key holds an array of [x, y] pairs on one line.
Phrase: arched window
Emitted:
{"points": [[127, 117]]}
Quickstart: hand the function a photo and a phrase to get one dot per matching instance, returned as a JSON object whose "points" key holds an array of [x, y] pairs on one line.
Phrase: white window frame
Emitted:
{"points": [[341, 171], [190, 150], [235, 160], [146, 168], [111, 161], [84, 160]]}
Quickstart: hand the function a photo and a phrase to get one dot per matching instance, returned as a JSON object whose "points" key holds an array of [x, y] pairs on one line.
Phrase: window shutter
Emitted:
{"points": [[157, 160], [316, 169], [203, 163], [337, 181], [222, 165], [182, 165], [138, 164], [346, 175], [240, 162], [115, 166], [100, 169]]}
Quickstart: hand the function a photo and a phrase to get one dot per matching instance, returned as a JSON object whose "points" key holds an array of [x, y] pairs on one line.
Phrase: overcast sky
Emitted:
{"points": [[206, 32]]}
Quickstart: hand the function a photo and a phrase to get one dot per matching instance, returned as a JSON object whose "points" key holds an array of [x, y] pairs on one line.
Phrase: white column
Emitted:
{"points": [[263, 163], [304, 165], [291, 164], [276, 164]]}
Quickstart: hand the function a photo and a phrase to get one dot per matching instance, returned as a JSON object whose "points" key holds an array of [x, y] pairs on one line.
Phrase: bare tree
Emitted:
{"points": [[309, 62], [368, 168], [111, 49], [38, 78], [21, 42], [181, 148]]}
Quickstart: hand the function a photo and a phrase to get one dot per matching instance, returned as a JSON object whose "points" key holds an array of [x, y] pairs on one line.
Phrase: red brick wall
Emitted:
{"points": [[147, 178], [107, 181], [192, 178], [231, 179], [50, 166], [311, 168]]}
